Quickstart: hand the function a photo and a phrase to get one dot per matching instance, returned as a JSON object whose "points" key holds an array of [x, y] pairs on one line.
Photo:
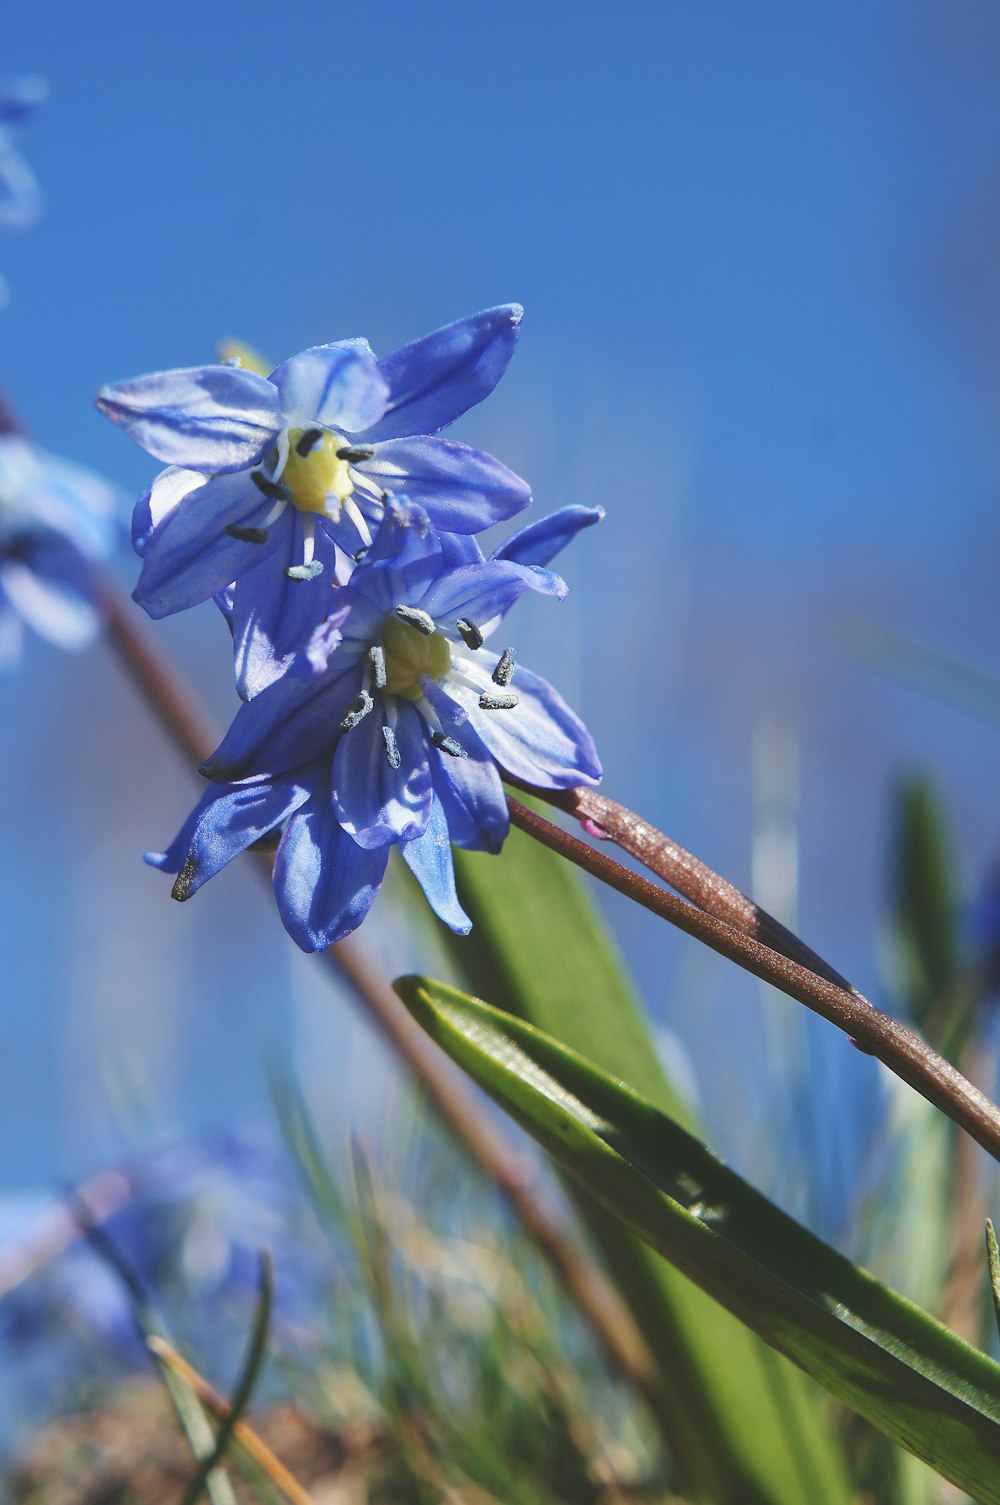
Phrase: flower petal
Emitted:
{"points": [[463, 490], [224, 823], [163, 494], [336, 385], [274, 617], [323, 881], [53, 590], [429, 859], [20, 97], [210, 418], [434, 380], [190, 556], [291, 722], [541, 740], [375, 802], [543, 540], [483, 593], [470, 790]]}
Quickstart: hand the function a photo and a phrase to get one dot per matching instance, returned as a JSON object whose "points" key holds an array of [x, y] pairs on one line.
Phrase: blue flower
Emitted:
{"points": [[391, 730], [277, 483], [20, 199], [58, 522]]}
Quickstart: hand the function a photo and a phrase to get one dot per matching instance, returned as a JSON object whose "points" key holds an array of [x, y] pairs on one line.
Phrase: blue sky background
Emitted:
{"points": [[757, 248]]}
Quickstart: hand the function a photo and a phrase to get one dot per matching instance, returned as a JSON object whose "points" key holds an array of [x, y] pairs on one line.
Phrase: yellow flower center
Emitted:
{"points": [[318, 480], [409, 655]]}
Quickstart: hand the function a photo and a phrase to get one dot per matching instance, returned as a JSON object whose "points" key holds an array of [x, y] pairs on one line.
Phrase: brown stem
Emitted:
{"points": [[168, 697], [892, 1043]]}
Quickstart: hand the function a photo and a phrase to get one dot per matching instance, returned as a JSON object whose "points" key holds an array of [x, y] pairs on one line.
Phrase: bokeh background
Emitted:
{"points": [[758, 251]]}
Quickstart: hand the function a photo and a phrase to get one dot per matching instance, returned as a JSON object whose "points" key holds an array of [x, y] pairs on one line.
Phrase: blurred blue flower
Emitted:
{"points": [[58, 523], [390, 730], [20, 199], [277, 483]]}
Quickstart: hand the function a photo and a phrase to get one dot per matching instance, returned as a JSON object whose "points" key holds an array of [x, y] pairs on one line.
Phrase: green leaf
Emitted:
{"points": [[926, 904], [742, 1423], [912, 1378]]}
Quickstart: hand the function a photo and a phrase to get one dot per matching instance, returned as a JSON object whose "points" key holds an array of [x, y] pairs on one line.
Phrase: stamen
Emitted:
{"points": [[377, 656], [275, 513], [448, 745], [391, 749], [182, 883], [356, 711], [504, 669], [497, 702], [359, 555], [414, 617], [358, 519], [307, 440], [246, 535], [308, 539], [470, 634], [272, 489], [304, 571], [355, 454]]}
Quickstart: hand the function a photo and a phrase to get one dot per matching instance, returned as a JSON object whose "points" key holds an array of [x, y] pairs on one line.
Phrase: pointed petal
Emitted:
{"points": [[190, 556], [543, 540], [340, 387], [471, 792], [483, 593], [463, 490], [164, 493], [434, 380], [210, 418], [291, 722], [429, 859], [323, 881], [275, 617], [374, 802], [224, 823], [541, 740]]}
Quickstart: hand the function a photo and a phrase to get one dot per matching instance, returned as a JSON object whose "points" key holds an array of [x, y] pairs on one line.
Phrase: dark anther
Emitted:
{"points": [[304, 571], [448, 745], [471, 636], [356, 711], [504, 669], [272, 489], [355, 453], [377, 659], [497, 702], [391, 750], [360, 555], [414, 617], [246, 535], [307, 440]]}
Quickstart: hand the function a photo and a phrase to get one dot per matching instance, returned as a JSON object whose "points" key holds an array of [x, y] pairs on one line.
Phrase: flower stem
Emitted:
{"points": [[169, 699], [897, 1047]]}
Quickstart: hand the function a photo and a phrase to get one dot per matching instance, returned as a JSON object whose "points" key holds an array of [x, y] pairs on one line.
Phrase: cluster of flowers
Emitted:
{"points": [[336, 530], [58, 522]]}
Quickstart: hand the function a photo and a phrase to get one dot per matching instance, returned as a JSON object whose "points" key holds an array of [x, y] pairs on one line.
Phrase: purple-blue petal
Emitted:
{"points": [[338, 386], [164, 493], [471, 792], [323, 881], [294, 720], [190, 556], [463, 490], [214, 419], [375, 802], [483, 593], [429, 859], [541, 541], [541, 740], [434, 380], [224, 823]]}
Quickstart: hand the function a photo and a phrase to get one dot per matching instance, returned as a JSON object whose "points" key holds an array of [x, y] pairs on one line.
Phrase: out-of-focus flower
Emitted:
{"points": [[58, 523], [390, 730], [20, 198], [277, 483]]}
